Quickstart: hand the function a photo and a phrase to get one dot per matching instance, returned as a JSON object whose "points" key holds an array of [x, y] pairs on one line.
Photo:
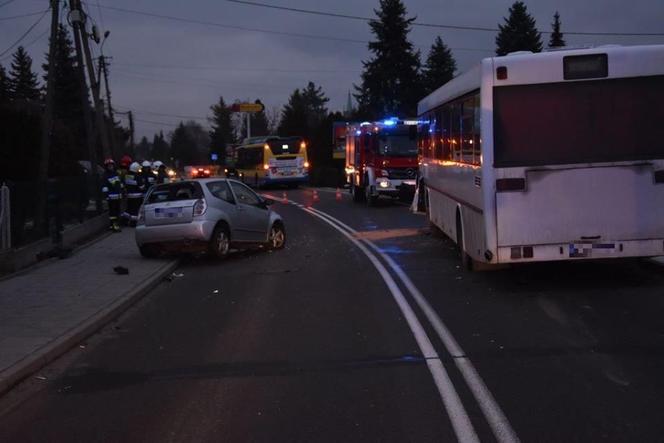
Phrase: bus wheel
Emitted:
{"points": [[466, 260]]}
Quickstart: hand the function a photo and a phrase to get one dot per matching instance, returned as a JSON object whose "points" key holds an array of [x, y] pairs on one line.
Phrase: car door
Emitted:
{"points": [[253, 215], [224, 201]]}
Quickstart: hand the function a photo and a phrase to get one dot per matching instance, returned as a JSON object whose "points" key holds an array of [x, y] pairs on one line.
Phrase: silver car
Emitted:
{"points": [[210, 215]]}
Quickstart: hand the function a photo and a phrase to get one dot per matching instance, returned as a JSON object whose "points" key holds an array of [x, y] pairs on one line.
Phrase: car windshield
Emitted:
{"points": [[397, 145]]}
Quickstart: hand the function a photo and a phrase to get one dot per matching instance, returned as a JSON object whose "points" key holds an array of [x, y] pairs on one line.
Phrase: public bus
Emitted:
{"points": [[550, 156], [263, 161]]}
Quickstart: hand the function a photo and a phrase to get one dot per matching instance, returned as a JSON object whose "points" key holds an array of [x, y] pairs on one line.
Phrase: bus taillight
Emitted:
{"points": [[306, 165], [510, 184], [266, 167]]}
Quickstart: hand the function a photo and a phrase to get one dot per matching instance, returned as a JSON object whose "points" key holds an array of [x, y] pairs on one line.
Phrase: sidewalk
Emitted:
{"points": [[47, 310]]}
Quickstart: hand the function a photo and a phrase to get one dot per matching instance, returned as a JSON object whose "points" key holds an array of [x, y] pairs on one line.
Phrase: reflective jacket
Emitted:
{"points": [[134, 185], [112, 185]]}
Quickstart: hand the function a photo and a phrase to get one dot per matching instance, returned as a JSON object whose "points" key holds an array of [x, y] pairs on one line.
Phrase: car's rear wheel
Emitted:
{"points": [[220, 243], [149, 251], [277, 237]]}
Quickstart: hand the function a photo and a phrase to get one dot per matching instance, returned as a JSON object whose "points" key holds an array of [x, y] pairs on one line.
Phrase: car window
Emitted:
{"points": [[245, 195], [221, 190], [175, 191]]}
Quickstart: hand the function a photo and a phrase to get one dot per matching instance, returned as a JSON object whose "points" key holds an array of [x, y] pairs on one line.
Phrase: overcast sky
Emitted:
{"points": [[164, 68]]}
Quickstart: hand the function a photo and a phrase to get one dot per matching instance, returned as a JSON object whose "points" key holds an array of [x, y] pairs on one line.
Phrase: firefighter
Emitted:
{"points": [[162, 175], [149, 178], [134, 188], [112, 189], [125, 162]]}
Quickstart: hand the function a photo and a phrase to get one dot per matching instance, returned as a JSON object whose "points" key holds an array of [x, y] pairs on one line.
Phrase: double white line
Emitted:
{"points": [[461, 423]]}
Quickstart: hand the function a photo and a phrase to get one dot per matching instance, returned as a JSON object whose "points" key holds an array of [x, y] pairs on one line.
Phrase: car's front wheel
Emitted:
{"points": [[277, 237], [220, 243]]}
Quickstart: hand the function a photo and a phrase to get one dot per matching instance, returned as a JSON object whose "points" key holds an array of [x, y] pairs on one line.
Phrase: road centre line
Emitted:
{"points": [[494, 415], [461, 423]]}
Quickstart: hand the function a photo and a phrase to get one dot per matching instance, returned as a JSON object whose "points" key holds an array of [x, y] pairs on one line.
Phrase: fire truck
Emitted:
{"points": [[381, 159]]}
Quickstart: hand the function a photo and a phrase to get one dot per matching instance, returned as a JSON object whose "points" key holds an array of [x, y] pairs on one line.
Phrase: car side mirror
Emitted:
{"points": [[268, 201]]}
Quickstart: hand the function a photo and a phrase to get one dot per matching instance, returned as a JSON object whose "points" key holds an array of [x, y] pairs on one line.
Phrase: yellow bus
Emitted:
{"points": [[272, 161]]}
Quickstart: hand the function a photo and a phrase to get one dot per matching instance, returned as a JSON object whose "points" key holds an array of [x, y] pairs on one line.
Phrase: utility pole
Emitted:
{"points": [[47, 121], [78, 18], [131, 131], [87, 119], [103, 67], [248, 124]]}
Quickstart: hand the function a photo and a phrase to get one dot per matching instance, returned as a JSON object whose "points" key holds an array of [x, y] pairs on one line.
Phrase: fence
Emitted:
{"points": [[5, 219], [69, 201]]}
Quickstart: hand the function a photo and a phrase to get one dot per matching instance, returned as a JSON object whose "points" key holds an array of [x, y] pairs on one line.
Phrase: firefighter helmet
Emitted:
{"points": [[135, 167], [109, 161], [146, 164], [125, 162]]}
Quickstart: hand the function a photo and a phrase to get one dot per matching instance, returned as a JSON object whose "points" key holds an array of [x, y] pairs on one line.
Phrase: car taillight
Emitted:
{"points": [[510, 184], [200, 207], [141, 215]]}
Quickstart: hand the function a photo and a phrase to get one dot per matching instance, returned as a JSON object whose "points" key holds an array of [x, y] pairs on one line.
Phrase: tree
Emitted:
{"points": [[439, 67], [519, 32], [68, 135], [143, 149], [221, 133], [22, 81], [556, 40], [316, 103], [273, 120], [294, 116], [190, 144], [160, 148], [4, 86], [391, 83]]}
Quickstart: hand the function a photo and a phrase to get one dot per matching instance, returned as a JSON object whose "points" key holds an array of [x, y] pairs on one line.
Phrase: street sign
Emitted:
{"points": [[214, 156], [247, 107]]}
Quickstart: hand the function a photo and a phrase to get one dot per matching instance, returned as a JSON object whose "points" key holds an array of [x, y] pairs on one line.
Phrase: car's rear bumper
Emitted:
{"points": [[195, 231]]}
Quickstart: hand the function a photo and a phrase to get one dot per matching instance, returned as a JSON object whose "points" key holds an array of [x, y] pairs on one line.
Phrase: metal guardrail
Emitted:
{"points": [[5, 219]]}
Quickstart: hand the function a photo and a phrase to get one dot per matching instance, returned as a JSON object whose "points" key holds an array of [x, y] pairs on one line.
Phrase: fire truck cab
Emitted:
{"points": [[381, 159]]}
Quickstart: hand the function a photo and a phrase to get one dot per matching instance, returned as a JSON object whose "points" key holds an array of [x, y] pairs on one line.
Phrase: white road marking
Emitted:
{"points": [[494, 415], [463, 428]]}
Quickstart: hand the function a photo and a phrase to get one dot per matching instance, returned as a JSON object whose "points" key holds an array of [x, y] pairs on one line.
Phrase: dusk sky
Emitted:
{"points": [[167, 70]]}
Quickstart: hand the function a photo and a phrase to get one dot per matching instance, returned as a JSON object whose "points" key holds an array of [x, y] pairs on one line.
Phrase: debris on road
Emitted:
{"points": [[40, 377], [121, 270], [216, 291]]}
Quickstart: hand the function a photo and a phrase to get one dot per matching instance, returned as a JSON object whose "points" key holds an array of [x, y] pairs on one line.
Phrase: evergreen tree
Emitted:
{"points": [[556, 40], [221, 134], [316, 103], [143, 149], [519, 32], [160, 149], [4, 86], [439, 67], [294, 116], [190, 144], [22, 81], [391, 82], [68, 136]]}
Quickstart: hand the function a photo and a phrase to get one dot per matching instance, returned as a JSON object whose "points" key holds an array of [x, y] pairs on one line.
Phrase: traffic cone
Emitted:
{"points": [[316, 198], [338, 195], [284, 198]]}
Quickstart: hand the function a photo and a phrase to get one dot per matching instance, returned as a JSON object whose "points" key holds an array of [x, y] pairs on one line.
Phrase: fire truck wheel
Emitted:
{"points": [[370, 198]]}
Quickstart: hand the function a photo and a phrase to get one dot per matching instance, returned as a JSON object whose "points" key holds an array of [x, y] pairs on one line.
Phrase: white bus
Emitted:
{"points": [[549, 156]]}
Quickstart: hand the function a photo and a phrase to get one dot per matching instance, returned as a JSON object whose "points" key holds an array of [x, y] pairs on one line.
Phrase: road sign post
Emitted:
{"points": [[248, 109]]}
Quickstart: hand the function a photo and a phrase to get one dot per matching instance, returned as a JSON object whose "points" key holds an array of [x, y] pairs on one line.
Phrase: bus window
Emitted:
{"points": [[249, 158], [455, 131], [445, 133], [467, 130], [477, 138]]}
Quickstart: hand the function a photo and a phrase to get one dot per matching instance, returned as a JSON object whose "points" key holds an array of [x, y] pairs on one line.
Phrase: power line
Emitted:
{"points": [[30, 43], [25, 34], [152, 122], [6, 3], [232, 69], [435, 25], [240, 28], [29, 14]]}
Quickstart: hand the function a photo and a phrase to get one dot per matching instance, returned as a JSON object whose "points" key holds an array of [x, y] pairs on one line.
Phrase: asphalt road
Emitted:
{"points": [[365, 329]]}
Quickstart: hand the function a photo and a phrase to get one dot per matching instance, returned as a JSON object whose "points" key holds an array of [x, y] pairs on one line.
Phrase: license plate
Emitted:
{"points": [[584, 250], [168, 212]]}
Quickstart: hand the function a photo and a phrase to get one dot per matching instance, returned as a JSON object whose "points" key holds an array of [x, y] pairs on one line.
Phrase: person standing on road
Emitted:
{"points": [[162, 175], [112, 189], [148, 176], [134, 187]]}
